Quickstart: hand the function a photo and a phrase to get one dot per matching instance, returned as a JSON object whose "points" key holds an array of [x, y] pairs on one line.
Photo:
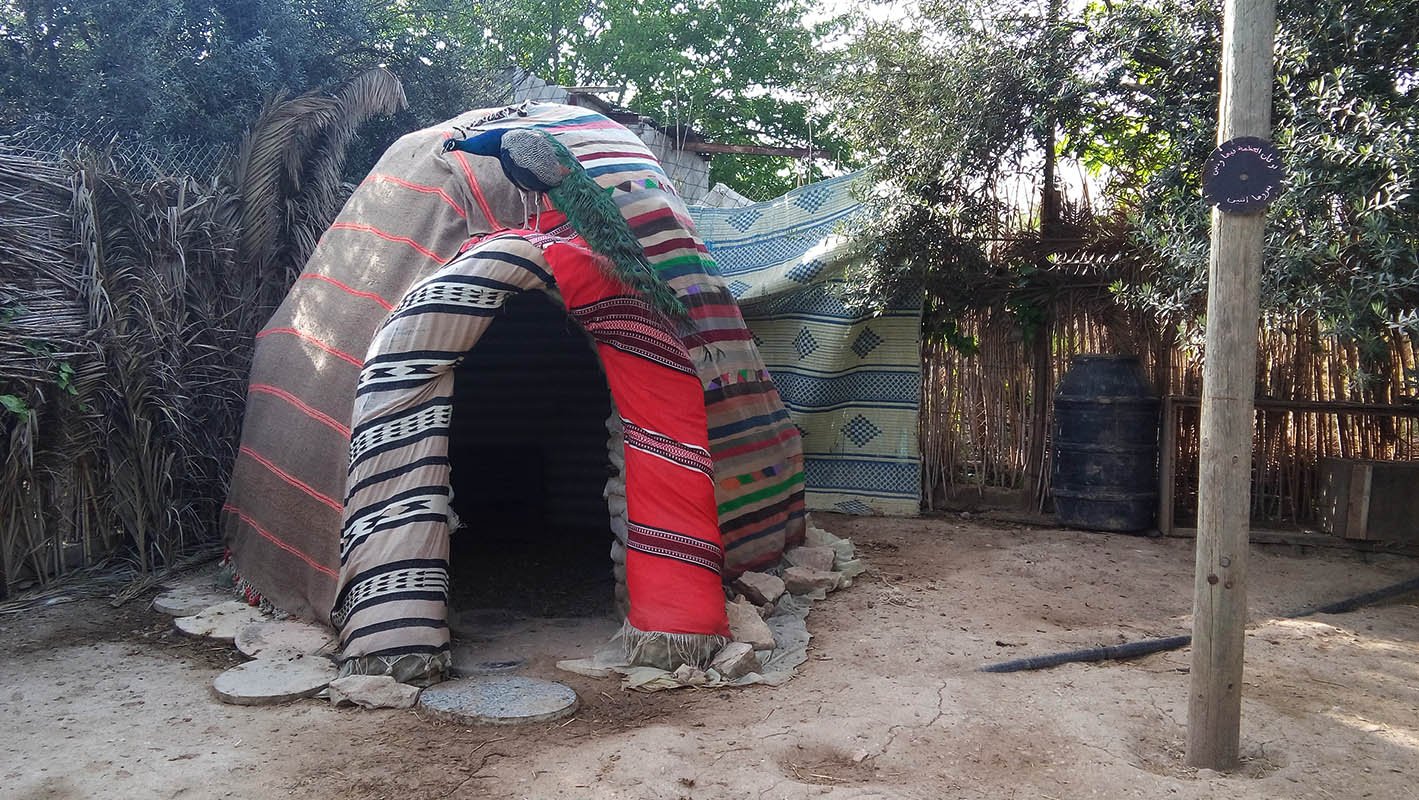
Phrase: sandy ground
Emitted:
{"points": [[98, 702]]}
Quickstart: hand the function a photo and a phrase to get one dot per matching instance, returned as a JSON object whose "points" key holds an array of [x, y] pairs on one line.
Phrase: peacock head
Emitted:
{"points": [[487, 143]]}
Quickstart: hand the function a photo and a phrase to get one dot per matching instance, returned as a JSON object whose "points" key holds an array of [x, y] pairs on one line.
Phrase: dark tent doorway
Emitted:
{"points": [[528, 447]]}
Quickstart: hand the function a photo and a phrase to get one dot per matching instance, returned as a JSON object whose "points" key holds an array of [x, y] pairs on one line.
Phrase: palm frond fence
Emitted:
{"points": [[128, 310]]}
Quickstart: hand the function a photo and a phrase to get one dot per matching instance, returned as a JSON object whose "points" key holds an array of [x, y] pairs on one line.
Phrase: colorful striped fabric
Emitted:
{"points": [[391, 605], [851, 381], [404, 223]]}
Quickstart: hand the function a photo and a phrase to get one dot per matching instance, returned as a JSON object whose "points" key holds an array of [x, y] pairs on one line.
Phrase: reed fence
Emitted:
{"points": [[977, 408]]}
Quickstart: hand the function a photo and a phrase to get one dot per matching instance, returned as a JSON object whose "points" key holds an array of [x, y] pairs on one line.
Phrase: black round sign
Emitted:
{"points": [[1242, 175]]}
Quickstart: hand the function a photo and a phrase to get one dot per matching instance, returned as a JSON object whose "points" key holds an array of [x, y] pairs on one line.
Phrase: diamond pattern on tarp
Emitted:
{"points": [[861, 430], [813, 198], [900, 388], [746, 220], [738, 288], [854, 507], [804, 343], [866, 342], [806, 271]]}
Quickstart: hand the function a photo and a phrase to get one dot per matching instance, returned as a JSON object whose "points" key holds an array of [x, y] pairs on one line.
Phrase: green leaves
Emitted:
{"points": [[15, 405], [957, 104]]}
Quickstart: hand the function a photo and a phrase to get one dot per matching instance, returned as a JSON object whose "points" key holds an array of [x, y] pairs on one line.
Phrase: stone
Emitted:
{"points": [[184, 601], [284, 639], [498, 700], [802, 580], [745, 625], [372, 691], [268, 681], [761, 588], [817, 537], [819, 558], [687, 675], [616, 505], [222, 621], [850, 568], [736, 660]]}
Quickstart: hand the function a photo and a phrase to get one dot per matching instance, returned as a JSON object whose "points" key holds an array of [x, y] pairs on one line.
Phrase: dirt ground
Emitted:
{"points": [[98, 702]]}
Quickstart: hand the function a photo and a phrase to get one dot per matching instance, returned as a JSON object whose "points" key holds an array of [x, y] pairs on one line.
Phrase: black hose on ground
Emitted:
{"points": [[1106, 653], [1147, 646]]}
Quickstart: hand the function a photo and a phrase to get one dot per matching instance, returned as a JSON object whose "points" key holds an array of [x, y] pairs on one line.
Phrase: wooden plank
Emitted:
{"points": [[1316, 539], [1322, 406], [1228, 415]]}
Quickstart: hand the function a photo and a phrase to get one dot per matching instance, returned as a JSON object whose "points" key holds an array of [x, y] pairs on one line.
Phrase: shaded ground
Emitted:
{"points": [[99, 703]]}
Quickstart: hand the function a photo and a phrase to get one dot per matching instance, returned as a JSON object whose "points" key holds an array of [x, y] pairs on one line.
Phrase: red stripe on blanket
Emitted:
{"points": [[588, 126], [714, 310], [274, 539], [315, 414], [742, 449], [362, 227], [604, 154], [290, 479], [418, 187], [661, 248], [343, 356], [723, 335], [311, 276]]}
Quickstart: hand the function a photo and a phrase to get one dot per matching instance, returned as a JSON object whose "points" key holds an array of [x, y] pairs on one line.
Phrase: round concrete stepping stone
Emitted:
{"points": [[498, 700], [222, 621], [268, 681], [184, 601], [284, 639]]}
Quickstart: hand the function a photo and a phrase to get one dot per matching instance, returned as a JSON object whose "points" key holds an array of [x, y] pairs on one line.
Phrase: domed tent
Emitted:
{"points": [[353, 394]]}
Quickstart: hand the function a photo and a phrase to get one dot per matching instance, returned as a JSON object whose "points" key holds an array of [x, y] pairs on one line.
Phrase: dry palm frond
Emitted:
{"points": [[290, 166], [127, 317]]}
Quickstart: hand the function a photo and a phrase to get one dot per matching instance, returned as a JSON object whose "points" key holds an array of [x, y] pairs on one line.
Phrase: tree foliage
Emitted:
{"points": [[734, 70], [1343, 240], [952, 107], [201, 71]]}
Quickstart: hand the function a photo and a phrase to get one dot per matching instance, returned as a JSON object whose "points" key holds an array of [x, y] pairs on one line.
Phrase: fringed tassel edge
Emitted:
{"points": [[668, 651], [415, 669], [249, 594]]}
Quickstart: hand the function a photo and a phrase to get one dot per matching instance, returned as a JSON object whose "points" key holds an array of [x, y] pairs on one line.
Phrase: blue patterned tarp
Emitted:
{"points": [[851, 382]]}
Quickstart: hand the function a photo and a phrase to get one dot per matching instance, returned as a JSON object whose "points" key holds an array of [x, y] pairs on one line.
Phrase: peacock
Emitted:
{"points": [[535, 161]]}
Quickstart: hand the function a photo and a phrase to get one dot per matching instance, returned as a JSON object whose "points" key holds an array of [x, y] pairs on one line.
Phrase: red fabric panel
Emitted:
{"points": [[667, 595]]}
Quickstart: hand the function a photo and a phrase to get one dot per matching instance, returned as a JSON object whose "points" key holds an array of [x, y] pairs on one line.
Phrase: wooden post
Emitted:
{"points": [[1167, 466], [1228, 414]]}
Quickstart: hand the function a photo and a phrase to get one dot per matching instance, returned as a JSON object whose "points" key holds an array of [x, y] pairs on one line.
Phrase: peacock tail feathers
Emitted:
{"points": [[595, 216]]}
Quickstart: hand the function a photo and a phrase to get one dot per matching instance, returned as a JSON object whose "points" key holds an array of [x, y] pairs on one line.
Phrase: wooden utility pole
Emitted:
{"points": [[1228, 416], [1037, 461]]}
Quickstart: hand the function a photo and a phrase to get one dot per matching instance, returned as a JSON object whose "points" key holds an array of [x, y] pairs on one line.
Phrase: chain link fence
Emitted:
{"points": [[135, 158]]}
